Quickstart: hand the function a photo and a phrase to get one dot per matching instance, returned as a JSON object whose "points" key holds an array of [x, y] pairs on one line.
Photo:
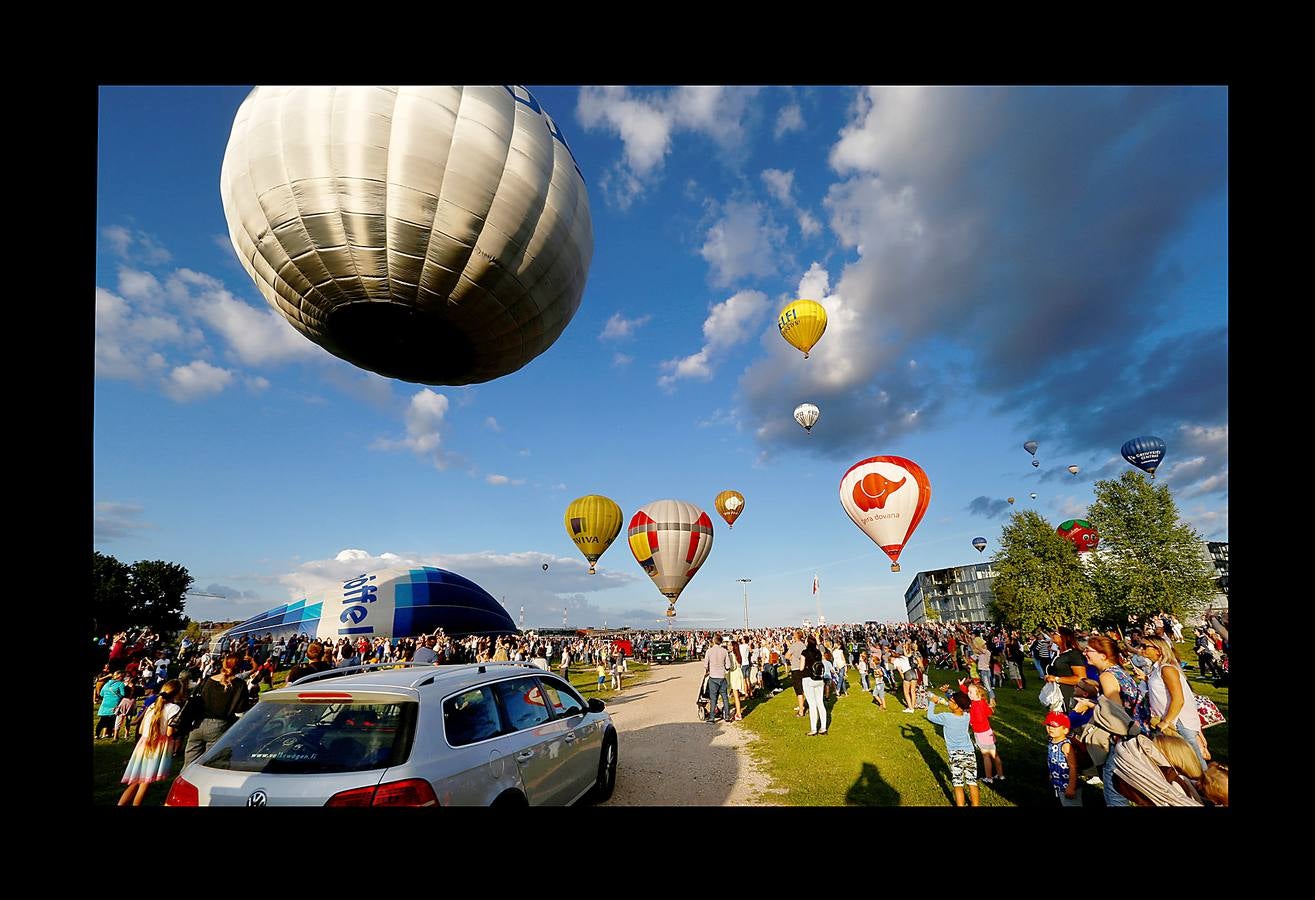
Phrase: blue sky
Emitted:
{"points": [[998, 265]]}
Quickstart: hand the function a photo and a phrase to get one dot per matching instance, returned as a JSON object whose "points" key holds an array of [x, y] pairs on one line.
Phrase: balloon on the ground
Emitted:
{"points": [[979, 543], [1074, 470], [1145, 452], [670, 539], [886, 497], [592, 523], [400, 602], [806, 414], [801, 324], [729, 505], [438, 234], [1080, 533]]}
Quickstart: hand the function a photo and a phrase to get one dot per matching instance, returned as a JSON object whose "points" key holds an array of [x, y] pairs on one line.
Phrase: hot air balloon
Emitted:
{"points": [[802, 323], [592, 522], [886, 497], [1073, 470], [1080, 533], [670, 539], [1032, 495], [806, 414], [979, 543], [1030, 447], [1011, 500], [545, 567], [436, 234], [1035, 463], [1145, 453], [729, 505]]}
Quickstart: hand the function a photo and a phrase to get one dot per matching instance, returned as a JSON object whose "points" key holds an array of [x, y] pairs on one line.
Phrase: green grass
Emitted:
{"points": [[109, 759], [871, 757]]}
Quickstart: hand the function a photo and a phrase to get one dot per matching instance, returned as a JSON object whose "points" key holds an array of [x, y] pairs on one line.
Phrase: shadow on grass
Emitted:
{"points": [[871, 789], [937, 766]]}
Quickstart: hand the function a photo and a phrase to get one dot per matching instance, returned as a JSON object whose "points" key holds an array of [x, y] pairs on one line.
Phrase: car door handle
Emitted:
{"points": [[570, 737], [522, 757]]}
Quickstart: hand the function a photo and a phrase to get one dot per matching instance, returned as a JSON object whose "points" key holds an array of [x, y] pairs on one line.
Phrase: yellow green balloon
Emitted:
{"points": [[802, 323], [592, 522]]}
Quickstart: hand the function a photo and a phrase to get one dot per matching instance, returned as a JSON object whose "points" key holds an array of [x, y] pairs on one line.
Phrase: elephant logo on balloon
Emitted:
{"points": [[873, 490]]}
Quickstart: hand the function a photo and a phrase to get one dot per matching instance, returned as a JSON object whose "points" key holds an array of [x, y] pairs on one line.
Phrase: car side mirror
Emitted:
{"points": [[596, 705]]}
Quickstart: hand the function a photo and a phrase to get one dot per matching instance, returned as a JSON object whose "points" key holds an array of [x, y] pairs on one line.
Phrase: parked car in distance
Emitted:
{"points": [[484, 734], [662, 652]]}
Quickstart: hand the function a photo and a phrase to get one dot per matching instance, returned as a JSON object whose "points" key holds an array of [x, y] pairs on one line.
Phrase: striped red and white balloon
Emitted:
{"points": [[670, 540]]}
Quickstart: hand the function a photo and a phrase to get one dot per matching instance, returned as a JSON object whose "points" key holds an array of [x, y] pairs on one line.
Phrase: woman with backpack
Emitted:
{"points": [[814, 684]]}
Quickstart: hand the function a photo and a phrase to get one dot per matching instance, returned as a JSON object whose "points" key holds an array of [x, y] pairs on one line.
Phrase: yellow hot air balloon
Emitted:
{"points": [[729, 506], [593, 522], [802, 323]]}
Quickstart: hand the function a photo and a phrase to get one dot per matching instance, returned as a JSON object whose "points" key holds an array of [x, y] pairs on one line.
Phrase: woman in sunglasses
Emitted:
{"points": [[1171, 697]]}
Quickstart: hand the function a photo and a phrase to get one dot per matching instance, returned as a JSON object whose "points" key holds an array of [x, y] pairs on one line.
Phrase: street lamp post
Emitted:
{"points": [[745, 582]]}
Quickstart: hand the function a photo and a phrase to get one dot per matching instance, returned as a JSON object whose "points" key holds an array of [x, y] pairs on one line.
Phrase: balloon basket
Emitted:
{"points": [[894, 567]]}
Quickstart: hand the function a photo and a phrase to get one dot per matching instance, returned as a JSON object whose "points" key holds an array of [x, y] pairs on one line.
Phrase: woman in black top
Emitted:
{"points": [[1069, 667], [223, 697], [814, 683]]}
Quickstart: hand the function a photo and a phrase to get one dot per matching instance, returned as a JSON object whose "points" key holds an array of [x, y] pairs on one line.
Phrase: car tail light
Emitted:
{"points": [[183, 793], [412, 792]]}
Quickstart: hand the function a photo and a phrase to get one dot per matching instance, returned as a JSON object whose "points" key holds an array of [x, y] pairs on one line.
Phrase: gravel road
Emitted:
{"points": [[667, 757]]}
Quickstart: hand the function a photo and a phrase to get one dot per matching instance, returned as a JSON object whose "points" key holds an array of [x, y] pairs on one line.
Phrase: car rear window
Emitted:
{"points": [[312, 737]]}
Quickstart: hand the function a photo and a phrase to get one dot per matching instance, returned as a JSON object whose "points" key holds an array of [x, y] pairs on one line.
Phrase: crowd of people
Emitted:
{"points": [[1119, 710]]}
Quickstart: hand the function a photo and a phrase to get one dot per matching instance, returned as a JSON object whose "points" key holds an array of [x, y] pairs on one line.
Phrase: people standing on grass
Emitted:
{"points": [[1061, 760], [814, 683], [1172, 703], [954, 727], [111, 693], [152, 758], [1069, 667], [979, 719], [795, 657]]}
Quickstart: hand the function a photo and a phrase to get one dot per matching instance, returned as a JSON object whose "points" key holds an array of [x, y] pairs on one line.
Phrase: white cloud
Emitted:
{"points": [[727, 324], [744, 243], [492, 424], [647, 122], [618, 327], [195, 380], [503, 479], [780, 185], [790, 118], [257, 383], [621, 360], [424, 424], [126, 339], [256, 336], [135, 244]]}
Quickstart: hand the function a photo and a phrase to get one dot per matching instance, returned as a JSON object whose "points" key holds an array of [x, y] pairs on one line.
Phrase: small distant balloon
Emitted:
{"points": [[806, 414], [979, 543], [1030, 447], [545, 567], [1011, 500], [729, 505], [1074, 469], [1035, 463], [1145, 453], [1032, 495]]}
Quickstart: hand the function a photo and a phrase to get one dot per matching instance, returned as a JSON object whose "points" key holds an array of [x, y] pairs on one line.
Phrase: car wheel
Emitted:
{"points": [[606, 770], [510, 799]]}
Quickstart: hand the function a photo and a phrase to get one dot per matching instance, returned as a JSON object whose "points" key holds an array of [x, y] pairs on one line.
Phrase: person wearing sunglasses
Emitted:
{"points": [[1171, 698]]}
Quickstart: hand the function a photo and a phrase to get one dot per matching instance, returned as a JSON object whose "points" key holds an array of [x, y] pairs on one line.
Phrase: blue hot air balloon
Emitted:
{"points": [[979, 543], [1145, 453]]}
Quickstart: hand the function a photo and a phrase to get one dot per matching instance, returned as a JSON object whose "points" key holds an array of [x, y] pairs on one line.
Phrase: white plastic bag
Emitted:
{"points": [[1051, 696]]}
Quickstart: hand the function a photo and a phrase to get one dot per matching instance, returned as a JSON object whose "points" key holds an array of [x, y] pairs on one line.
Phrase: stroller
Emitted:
{"points": [[703, 700]]}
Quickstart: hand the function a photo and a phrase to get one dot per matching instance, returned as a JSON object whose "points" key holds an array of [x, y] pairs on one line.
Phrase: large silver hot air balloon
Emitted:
{"points": [[434, 234]]}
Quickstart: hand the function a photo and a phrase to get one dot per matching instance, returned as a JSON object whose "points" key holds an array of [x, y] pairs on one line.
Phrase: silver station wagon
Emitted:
{"points": [[486, 734]]}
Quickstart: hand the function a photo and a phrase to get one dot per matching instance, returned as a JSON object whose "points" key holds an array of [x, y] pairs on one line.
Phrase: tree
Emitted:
{"points": [[1040, 582], [111, 603], [159, 594], [148, 593], [1148, 560]]}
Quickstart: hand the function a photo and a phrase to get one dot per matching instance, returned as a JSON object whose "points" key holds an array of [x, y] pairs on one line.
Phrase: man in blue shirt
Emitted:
{"points": [[963, 761]]}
